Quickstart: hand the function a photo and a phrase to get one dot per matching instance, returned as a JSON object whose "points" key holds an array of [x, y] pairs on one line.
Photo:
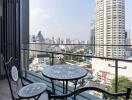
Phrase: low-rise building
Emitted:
{"points": [[103, 70]]}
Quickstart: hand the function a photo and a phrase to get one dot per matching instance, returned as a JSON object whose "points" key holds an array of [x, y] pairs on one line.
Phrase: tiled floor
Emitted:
{"points": [[5, 91]]}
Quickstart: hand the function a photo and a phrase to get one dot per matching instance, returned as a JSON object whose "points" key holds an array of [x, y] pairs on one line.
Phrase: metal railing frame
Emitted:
{"points": [[115, 59]]}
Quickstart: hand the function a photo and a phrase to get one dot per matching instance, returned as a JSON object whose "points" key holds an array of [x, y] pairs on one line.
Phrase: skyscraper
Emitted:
{"points": [[40, 37], [110, 28], [58, 41], [92, 35]]}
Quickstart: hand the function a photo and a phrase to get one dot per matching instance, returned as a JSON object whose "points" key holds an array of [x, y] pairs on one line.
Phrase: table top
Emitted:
{"points": [[32, 90], [64, 72]]}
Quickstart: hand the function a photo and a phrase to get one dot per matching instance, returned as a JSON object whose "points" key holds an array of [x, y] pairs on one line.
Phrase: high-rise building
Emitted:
{"points": [[127, 38], [62, 41], [58, 41], [40, 37], [68, 41], [110, 28], [53, 40], [92, 35], [33, 38]]}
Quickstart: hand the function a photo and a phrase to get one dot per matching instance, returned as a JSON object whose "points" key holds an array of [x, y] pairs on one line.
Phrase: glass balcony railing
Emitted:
{"points": [[112, 73]]}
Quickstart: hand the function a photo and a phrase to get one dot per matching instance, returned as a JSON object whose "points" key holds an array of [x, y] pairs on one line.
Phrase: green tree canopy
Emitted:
{"points": [[123, 84]]}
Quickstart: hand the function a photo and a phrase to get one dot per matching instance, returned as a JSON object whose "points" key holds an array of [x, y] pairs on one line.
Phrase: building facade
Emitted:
{"points": [[110, 28]]}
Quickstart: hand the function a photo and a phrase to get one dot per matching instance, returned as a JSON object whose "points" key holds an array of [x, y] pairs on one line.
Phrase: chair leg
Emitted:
{"points": [[53, 87]]}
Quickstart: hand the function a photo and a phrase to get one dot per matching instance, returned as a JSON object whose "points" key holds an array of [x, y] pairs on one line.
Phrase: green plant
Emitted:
{"points": [[123, 83]]}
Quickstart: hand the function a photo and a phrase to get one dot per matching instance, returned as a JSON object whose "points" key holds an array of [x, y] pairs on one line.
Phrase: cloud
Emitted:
{"points": [[39, 13]]}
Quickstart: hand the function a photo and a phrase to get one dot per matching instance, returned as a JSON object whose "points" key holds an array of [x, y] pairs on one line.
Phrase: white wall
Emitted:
{"points": [[102, 65]]}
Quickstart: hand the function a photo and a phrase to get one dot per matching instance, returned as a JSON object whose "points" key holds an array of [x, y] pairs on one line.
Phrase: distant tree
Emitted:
{"points": [[77, 58], [123, 84], [89, 66], [38, 72], [62, 61], [67, 57], [87, 50]]}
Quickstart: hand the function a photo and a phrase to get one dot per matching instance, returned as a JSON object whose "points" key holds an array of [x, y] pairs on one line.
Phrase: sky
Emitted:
{"points": [[66, 18]]}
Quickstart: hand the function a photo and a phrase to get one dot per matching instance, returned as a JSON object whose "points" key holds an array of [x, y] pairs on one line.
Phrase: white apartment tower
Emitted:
{"points": [[110, 28]]}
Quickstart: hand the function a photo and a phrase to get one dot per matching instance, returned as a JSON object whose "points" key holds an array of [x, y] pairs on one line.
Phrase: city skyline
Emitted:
{"points": [[66, 18], [39, 38]]}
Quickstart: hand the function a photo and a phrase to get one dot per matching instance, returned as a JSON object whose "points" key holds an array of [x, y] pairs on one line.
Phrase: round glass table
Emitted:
{"points": [[64, 73], [33, 90]]}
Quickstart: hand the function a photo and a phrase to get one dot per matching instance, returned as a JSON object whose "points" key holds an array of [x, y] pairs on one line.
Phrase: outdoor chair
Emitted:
{"points": [[106, 95], [16, 84]]}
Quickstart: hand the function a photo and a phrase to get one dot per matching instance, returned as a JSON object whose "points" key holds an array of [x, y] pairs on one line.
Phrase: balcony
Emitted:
{"points": [[102, 69], [39, 56], [104, 72]]}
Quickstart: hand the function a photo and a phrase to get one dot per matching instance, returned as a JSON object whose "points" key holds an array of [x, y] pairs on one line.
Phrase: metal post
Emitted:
{"points": [[63, 87], [116, 76], [66, 86], [52, 61], [74, 98]]}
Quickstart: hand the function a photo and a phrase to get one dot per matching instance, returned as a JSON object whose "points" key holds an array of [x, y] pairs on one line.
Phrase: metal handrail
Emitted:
{"points": [[76, 44], [78, 55], [115, 59]]}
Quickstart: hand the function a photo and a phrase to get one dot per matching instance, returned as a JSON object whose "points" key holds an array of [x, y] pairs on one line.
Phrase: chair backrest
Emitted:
{"points": [[109, 96], [13, 73]]}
